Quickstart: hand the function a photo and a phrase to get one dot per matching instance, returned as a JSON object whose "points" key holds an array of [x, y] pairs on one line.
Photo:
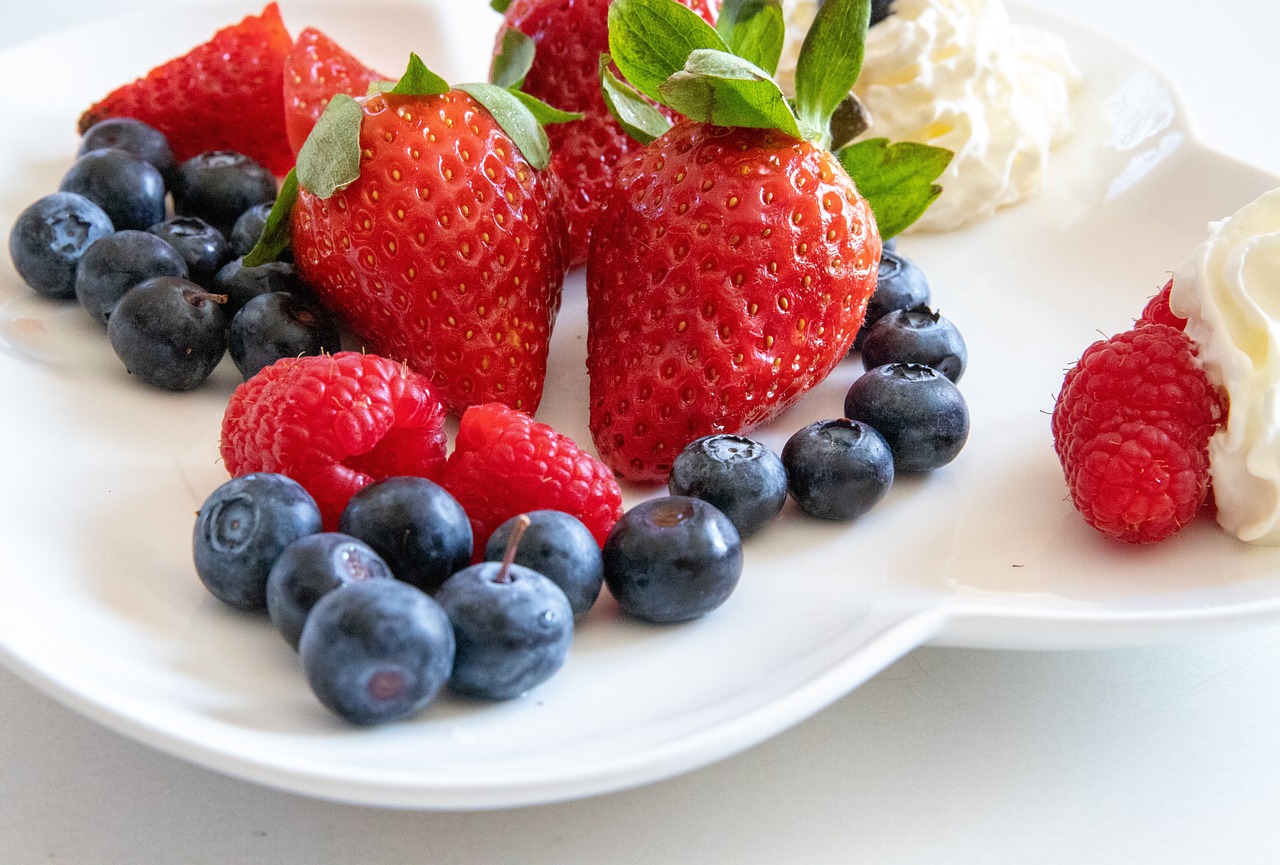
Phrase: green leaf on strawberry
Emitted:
{"points": [[830, 60], [754, 30], [330, 157], [515, 119], [499, 6], [543, 112], [275, 233], [650, 40], [513, 59], [637, 117], [721, 88], [895, 179], [418, 80]]}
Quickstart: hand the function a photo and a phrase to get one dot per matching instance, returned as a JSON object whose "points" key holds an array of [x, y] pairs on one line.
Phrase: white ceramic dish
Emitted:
{"points": [[100, 607]]}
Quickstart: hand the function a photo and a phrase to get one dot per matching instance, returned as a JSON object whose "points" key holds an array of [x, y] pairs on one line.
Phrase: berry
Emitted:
{"points": [[916, 335], [417, 527], [334, 423], [1157, 310], [226, 94], [672, 559], [116, 263], [241, 530], [513, 628], [242, 284], [505, 463], [1138, 484], [917, 409], [376, 651], [447, 251], [838, 469], [718, 292], [201, 246], [278, 325], [558, 546], [220, 185], [169, 332], [316, 69], [134, 136], [128, 189], [50, 236], [880, 10], [311, 567], [742, 478], [248, 228], [900, 284]]}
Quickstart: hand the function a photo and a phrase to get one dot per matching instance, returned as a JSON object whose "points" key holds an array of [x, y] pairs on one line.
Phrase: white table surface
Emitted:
{"points": [[1164, 754]]}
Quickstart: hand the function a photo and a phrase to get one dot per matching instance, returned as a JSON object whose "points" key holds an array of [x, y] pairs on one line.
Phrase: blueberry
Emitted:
{"points": [[916, 335], [890, 245], [513, 628], [900, 284], [130, 190], [116, 263], [169, 332], [50, 236], [838, 469], [219, 186], [242, 528], [277, 325], [201, 245], [241, 284], [672, 559], [248, 228], [558, 546], [917, 409], [880, 10], [376, 651], [310, 568], [741, 477], [421, 530], [134, 136]]}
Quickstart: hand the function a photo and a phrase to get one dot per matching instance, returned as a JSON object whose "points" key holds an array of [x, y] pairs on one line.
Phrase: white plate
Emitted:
{"points": [[100, 607]]}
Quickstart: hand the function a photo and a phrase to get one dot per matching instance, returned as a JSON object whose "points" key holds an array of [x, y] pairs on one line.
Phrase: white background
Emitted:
{"points": [[1165, 754]]}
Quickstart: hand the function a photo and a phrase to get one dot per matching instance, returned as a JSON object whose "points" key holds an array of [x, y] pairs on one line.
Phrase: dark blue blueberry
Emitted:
{"points": [[169, 332], [277, 325], [421, 530], [134, 136], [672, 559], [916, 335], [130, 190], [513, 628], [558, 546], [741, 477], [201, 245], [219, 186], [310, 568], [900, 284], [242, 528], [838, 469], [50, 236], [118, 262], [241, 284], [248, 228], [376, 651], [917, 409]]}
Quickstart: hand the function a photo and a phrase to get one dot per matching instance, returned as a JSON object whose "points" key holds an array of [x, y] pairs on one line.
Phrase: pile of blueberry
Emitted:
{"points": [[168, 282], [386, 611], [903, 414]]}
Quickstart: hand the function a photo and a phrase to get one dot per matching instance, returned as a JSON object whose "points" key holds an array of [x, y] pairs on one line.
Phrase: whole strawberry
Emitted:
{"points": [[315, 69], [433, 233], [226, 94], [568, 39], [730, 269]]}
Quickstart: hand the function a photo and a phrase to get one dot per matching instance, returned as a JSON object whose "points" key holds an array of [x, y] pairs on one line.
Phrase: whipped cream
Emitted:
{"points": [[1229, 292], [958, 74]]}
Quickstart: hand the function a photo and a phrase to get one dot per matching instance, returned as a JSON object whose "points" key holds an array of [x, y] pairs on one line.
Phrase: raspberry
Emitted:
{"points": [[505, 463], [1157, 310], [1138, 484], [1149, 374], [335, 424]]}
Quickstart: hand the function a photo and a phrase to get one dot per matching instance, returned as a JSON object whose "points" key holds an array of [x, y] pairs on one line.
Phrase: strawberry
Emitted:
{"points": [[445, 246], [226, 94], [315, 69], [569, 38], [730, 269]]}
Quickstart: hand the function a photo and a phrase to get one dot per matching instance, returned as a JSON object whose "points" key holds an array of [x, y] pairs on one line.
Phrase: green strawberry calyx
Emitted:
{"points": [[724, 75]]}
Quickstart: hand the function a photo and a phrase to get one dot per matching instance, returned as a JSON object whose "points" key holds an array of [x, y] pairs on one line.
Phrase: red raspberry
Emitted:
{"points": [[505, 463], [335, 423], [1157, 310], [1138, 484], [1148, 374]]}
